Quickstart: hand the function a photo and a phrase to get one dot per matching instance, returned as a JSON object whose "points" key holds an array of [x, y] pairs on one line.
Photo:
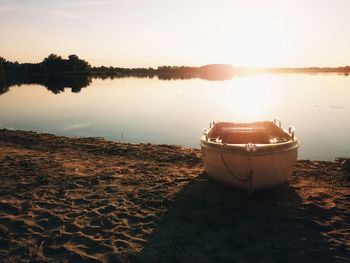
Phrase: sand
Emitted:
{"points": [[91, 200]]}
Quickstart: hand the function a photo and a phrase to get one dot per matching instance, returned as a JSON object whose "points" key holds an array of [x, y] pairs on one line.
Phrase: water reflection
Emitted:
{"points": [[55, 83], [175, 112]]}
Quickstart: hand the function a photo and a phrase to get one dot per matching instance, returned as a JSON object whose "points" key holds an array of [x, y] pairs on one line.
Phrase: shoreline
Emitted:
{"points": [[94, 200]]}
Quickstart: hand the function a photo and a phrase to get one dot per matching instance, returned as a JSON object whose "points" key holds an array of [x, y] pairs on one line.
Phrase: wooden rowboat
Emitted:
{"points": [[249, 156]]}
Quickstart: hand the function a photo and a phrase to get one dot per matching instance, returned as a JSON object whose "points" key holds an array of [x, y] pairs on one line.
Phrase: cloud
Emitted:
{"points": [[65, 14], [336, 107], [96, 2], [76, 126], [8, 9]]}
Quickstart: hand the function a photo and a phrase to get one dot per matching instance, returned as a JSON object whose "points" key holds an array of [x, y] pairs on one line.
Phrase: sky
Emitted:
{"points": [[145, 33]]}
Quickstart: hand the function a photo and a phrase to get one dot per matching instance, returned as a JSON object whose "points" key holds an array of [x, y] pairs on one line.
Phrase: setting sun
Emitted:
{"points": [[141, 34]]}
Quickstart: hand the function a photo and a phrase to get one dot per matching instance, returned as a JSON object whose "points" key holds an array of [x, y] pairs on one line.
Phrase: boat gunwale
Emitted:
{"points": [[260, 149], [253, 127]]}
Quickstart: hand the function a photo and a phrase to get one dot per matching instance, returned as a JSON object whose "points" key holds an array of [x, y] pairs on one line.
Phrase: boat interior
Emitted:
{"points": [[244, 133]]}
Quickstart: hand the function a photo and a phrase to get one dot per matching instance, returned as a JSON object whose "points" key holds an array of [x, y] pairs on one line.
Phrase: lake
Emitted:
{"points": [[175, 111]]}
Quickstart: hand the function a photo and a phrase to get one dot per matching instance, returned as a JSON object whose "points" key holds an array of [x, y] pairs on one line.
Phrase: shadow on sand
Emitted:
{"points": [[208, 222]]}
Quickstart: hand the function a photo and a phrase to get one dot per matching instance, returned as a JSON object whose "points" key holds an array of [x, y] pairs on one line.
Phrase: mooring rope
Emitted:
{"points": [[231, 173]]}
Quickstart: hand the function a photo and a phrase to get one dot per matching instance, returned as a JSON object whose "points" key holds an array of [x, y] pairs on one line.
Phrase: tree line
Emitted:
{"points": [[73, 64], [56, 64], [57, 73], [51, 64]]}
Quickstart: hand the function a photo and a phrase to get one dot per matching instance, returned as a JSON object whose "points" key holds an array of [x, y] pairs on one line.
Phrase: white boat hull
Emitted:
{"points": [[252, 172], [265, 167]]}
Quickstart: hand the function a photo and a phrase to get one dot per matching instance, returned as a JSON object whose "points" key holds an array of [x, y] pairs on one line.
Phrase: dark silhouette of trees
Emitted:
{"points": [[57, 73], [9, 67], [108, 72], [3, 87], [2, 61], [54, 63], [77, 65], [2, 70], [53, 72], [51, 64]]}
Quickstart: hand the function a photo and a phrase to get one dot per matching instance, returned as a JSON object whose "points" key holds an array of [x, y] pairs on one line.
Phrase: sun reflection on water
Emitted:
{"points": [[254, 100]]}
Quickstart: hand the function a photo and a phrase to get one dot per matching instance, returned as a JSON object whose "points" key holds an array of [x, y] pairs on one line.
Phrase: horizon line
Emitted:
{"points": [[192, 66]]}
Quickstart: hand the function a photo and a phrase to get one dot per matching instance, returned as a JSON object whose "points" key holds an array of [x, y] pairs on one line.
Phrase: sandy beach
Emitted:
{"points": [[92, 200]]}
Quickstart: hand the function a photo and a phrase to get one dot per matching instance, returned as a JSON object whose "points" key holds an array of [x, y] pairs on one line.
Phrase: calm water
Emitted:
{"points": [[176, 111]]}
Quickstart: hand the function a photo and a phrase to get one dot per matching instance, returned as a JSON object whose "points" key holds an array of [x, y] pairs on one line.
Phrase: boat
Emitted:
{"points": [[249, 156]]}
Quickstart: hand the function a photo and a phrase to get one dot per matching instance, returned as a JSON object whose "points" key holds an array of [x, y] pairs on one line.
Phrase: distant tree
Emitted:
{"points": [[53, 63], [2, 60], [77, 64], [73, 57], [2, 68]]}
